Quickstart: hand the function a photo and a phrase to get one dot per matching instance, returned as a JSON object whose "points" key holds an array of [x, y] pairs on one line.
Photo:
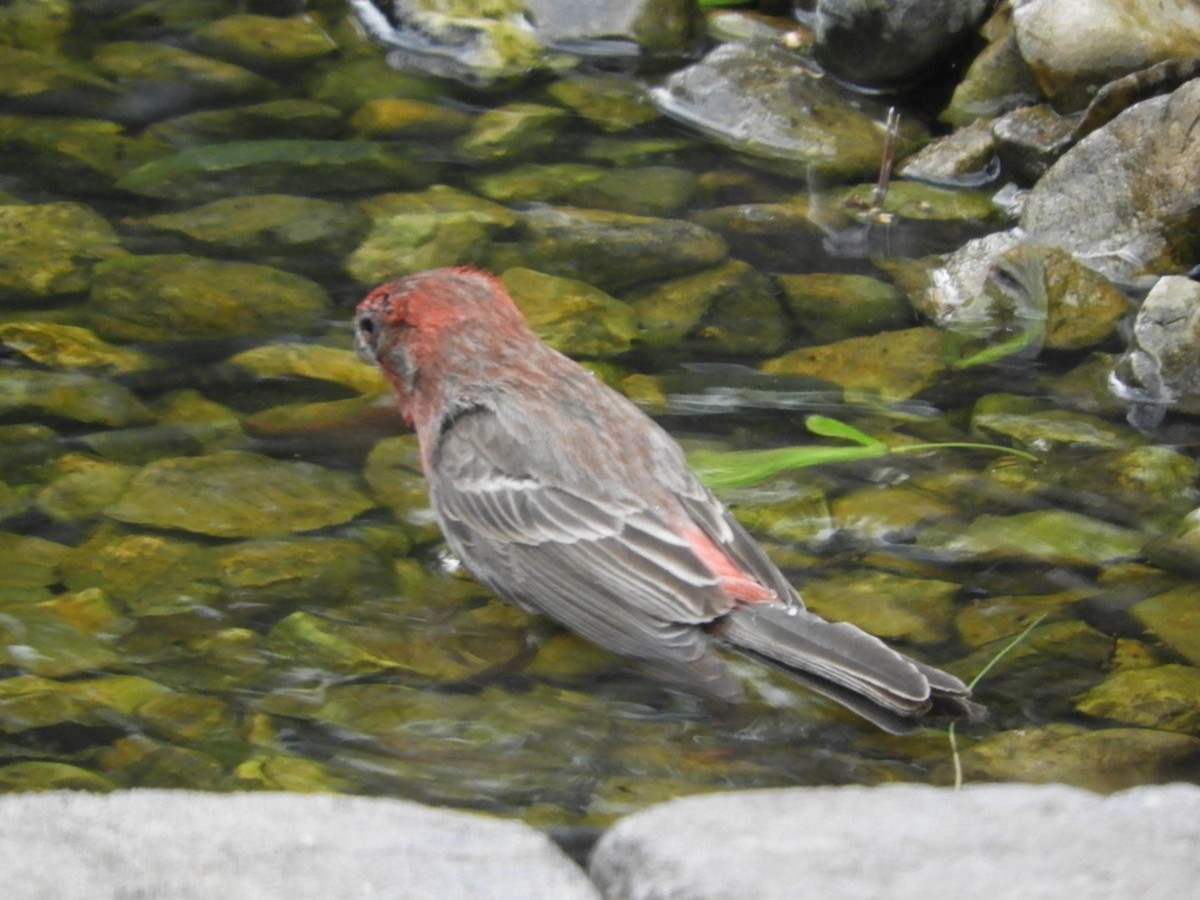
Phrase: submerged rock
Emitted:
{"points": [[571, 316], [175, 297], [266, 43], [1124, 198], [272, 229], [1051, 536], [158, 79], [214, 171], [434, 228], [759, 99], [71, 395], [730, 309], [1161, 368], [49, 249], [76, 156], [1073, 49], [894, 365], [609, 250], [69, 347], [1166, 697], [1103, 761], [237, 494], [1174, 618], [889, 44], [830, 307]]}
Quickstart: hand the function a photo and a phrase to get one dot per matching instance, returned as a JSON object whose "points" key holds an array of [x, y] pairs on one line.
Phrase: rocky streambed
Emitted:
{"points": [[221, 570]]}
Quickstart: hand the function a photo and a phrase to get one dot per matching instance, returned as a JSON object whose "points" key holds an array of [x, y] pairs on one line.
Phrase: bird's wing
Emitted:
{"points": [[601, 560]]}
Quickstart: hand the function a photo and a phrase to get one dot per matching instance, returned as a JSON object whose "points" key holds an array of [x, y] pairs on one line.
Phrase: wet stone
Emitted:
{"points": [[610, 103], [42, 83], [832, 307], [35, 24], [70, 347], [351, 81], [965, 157], [646, 191], [511, 131], [177, 296], [74, 155], [1173, 617], [271, 229], [1166, 697], [893, 607], [1041, 427], [278, 166], [312, 361], [609, 250], [321, 571], [759, 99], [160, 79], [238, 494], [74, 396], [48, 250], [151, 575], [1050, 536], [894, 365], [37, 642], [265, 43], [1004, 617], [571, 316], [32, 567], [887, 513], [544, 182], [393, 472], [273, 119], [397, 118], [730, 309], [1159, 368], [1030, 139], [1105, 761], [51, 776], [82, 486]]}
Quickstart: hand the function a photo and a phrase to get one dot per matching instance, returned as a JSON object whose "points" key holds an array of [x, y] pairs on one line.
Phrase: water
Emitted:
{"points": [[149, 649]]}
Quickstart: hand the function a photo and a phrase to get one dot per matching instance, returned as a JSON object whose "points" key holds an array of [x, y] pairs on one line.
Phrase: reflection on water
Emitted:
{"points": [[220, 570]]}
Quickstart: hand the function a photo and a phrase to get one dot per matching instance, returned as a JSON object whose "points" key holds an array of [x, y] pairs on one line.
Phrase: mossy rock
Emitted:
{"points": [[237, 494], [571, 316], [177, 296], [48, 250]]}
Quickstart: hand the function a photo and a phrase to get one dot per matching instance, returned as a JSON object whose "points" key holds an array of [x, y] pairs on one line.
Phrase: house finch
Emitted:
{"points": [[563, 497]]}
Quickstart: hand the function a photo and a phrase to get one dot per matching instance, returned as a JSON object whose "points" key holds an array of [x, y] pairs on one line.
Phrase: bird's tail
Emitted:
{"points": [[846, 664]]}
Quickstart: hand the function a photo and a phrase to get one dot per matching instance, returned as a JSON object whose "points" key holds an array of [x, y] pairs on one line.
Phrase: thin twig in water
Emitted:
{"points": [[958, 775], [886, 161]]}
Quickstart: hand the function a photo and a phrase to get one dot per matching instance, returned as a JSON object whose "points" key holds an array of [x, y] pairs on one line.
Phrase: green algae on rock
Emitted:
{"points": [[729, 309], [48, 250], [278, 166], [606, 249], [1166, 697], [70, 347], [830, 307], [266, 43], [270, 229], [571, 316], [238, 494], [177, 296], [894, 365], [75, 396], [1105, 761]]}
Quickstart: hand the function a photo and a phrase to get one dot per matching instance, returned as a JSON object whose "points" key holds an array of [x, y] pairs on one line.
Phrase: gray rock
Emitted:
{"points": [[1160, 367], [1123, 197], [1074, 48], [907, 841], [180, 845], [762, 100], [881, 44]]}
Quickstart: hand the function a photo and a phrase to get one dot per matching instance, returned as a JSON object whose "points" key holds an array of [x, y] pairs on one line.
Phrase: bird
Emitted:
{"points": [[561, 496]]}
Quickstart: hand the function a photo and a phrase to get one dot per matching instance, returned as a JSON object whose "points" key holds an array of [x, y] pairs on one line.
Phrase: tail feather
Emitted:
{"points": [[844, 662]]}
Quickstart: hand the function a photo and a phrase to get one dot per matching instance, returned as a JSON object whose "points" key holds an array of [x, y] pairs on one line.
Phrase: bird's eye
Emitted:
{"points": [[366, 326]]}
